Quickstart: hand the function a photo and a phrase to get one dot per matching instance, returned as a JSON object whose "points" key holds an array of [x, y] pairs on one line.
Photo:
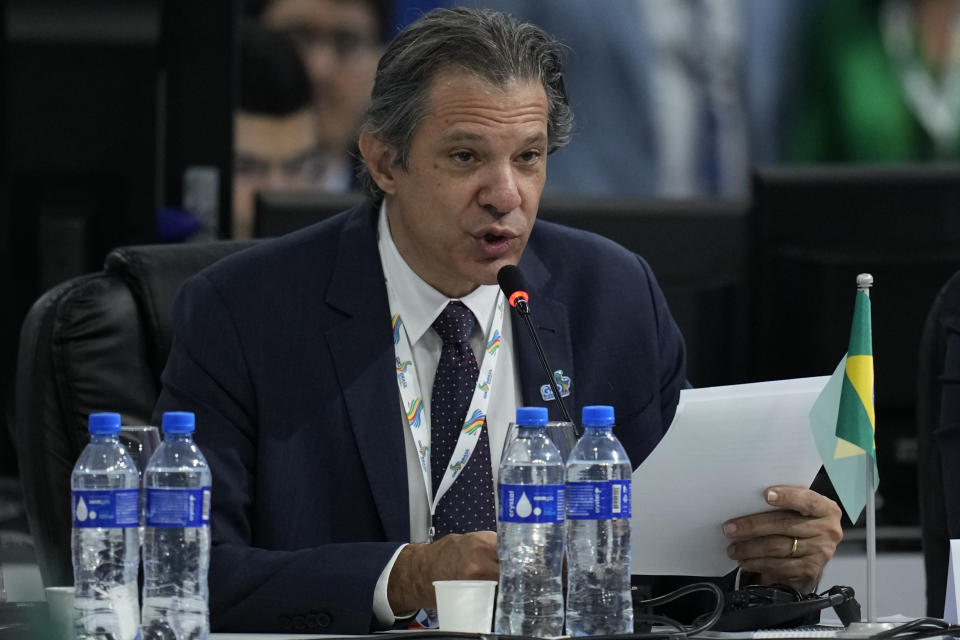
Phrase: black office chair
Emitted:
{"points": [[938, 438], [97, 342]]}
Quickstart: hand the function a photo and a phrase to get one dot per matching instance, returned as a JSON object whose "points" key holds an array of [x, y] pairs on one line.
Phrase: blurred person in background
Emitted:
{"points": [[674, 98], [275, 124], [341, 42], [884, 83]]}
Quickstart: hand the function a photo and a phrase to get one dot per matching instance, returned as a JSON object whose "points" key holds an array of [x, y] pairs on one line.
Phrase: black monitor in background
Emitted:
{"points": [[814, 230], [696, 248], [698, 251], [109, 107], [278, 212]]}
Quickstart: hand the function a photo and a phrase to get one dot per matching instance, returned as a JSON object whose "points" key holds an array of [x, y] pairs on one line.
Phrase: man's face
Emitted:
{"points": [[340, 43], [272, 152], [467, 203]]}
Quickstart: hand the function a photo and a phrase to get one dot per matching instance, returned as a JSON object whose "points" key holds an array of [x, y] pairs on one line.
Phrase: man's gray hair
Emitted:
{"points": [[491, 45]]}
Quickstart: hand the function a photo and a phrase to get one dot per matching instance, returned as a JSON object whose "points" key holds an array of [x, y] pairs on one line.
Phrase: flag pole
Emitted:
{"points": [[864, 282], [871, 627]]}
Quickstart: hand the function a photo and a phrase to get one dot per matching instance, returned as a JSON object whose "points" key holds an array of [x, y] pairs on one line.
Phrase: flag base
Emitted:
{"points": [[865, 629]]}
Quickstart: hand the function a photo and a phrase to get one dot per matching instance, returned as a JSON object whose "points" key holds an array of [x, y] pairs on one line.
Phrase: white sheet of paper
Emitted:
{"points": [[951, 603], [725, 446]]}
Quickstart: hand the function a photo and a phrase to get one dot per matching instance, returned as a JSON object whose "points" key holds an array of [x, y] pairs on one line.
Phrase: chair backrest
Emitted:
{"points": [[97, 342], [938, 413]]}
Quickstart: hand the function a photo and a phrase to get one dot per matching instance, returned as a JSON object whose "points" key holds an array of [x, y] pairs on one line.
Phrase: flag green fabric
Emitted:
{"points": [[842, 417], [855, 419]]}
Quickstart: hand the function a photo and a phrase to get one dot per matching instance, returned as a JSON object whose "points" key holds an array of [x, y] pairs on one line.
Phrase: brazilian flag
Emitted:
{"points": [[842, 418], [856, 421]]}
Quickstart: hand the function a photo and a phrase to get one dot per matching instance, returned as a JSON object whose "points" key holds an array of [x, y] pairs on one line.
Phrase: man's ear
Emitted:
{"points": [[379, 158]]}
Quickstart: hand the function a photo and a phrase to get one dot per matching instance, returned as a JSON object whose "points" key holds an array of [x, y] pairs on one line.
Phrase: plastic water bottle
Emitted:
{"points": [[598, 530], [530, 531], [105, 543], [176, 547]]}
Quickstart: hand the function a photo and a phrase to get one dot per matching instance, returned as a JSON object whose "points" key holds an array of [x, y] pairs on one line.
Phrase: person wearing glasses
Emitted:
{"points": [[340, 42], [274, 126]]}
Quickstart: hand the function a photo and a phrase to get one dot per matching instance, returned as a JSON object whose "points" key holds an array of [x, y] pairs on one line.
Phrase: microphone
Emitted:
{"points": [[513, 286]]}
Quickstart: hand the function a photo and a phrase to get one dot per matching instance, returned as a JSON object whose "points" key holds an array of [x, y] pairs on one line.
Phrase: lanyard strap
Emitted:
{"points": [[413, 405]]}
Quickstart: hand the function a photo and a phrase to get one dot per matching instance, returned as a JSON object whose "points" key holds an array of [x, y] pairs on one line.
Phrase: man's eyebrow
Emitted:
{"points": [[467, 136], [537, 138], [461, 136]]}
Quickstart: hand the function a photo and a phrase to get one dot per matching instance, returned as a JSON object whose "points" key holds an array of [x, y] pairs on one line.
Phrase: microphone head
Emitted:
{"points": [[512, 284]]}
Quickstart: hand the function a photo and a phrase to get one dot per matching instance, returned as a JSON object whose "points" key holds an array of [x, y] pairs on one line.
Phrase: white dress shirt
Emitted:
{"points": [[419, 304]]}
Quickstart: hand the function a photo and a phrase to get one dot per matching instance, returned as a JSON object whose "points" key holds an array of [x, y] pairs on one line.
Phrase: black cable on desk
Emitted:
{"points": [[919, 628], [701, 624], [682, 631]]}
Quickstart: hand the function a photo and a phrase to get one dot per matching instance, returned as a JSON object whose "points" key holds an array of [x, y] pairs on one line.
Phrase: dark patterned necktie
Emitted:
{"points": [[468, 505]]}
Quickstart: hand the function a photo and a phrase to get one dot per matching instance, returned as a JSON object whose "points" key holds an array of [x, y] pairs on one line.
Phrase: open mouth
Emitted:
{"points": [[495, 244]]}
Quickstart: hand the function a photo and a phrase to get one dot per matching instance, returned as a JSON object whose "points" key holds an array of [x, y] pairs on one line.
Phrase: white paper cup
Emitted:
{"points": [[60, 606], [465, 605]]}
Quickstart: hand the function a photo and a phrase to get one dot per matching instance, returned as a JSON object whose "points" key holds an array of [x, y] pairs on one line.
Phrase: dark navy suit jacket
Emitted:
{"points": [[285, 353]]}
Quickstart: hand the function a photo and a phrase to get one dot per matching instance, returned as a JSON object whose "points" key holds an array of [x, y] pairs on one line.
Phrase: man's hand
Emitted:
{"points": [[763, 543], [471, 556]]}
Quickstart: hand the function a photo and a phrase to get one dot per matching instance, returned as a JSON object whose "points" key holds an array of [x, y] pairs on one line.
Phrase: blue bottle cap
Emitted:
{"points": [[597, 416], [104, 424], [531, 416], [178, 422]]}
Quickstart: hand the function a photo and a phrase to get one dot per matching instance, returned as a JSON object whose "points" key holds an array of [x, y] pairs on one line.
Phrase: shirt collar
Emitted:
{"points": [[417, 302]]}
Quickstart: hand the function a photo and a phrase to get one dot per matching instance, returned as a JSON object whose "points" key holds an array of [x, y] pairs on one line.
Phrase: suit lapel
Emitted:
{"points": [[364, 359], [549, 317], [363, 356]]}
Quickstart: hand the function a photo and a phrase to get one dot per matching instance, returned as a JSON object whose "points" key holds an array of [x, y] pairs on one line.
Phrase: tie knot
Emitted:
{"points": [[454, 323]]}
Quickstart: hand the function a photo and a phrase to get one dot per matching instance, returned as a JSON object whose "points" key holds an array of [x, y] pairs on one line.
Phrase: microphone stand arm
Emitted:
{"points": [[523, 310]]}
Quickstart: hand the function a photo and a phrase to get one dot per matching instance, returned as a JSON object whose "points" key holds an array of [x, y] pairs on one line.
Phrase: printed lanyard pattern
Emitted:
{"points": [[412, 398]]}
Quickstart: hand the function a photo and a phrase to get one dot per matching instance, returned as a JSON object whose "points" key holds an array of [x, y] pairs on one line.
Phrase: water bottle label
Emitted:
{"points": [[110, 509], [605, 500], [531, 503], [178, 507]]}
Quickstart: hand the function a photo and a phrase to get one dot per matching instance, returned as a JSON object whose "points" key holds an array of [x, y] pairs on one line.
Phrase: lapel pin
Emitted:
{"points": [[563, 384]]}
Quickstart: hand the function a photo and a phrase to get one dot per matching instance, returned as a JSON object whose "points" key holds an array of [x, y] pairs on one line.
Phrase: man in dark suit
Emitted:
{"points": [[310, 359]]}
